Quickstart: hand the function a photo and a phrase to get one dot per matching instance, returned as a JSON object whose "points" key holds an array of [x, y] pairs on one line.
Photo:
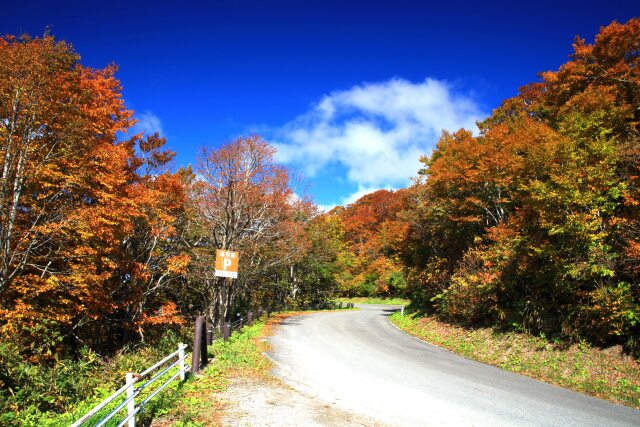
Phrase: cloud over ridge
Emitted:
{"points": [[376, 132], [148, 123]]}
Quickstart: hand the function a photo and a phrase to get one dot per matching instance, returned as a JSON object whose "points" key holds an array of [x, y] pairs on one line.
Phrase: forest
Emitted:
{"points": [[531, 223]]}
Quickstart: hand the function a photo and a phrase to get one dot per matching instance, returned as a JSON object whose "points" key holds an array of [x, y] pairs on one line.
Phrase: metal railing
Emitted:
{"points": [[132, 392], [204, 335]]}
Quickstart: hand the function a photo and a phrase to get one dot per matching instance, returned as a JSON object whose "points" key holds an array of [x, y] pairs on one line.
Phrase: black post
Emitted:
{"points": [[204, 357], [250, 318], [226, 330], [209, 332], [199, 358]]}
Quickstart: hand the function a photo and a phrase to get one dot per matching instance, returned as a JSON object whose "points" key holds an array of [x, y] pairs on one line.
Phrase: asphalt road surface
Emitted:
{"points": [[360, 362]]}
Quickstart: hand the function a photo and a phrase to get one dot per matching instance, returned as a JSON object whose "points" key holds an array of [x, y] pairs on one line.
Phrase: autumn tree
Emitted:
{"points": [[533, 221], [592, 101], [243, 202], [83, 212], [64, 178], [153, 255], [370, 230], [311, 277]]}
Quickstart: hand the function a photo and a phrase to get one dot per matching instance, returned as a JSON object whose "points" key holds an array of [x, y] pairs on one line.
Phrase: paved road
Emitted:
{"points": [[360, 362]]}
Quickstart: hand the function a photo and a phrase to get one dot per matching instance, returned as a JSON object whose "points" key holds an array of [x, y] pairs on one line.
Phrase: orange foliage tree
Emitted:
{"points": [[534, 222], [242, 202], [372, 232], [70, 195]]}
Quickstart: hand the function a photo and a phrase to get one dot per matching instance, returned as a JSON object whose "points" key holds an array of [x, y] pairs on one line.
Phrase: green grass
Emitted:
{"points": [[605, 373], [374, 300], [242, 355]]}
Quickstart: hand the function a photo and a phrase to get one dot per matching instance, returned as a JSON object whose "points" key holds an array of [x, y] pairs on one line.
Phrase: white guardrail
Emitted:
{"points": [[132, 392]]}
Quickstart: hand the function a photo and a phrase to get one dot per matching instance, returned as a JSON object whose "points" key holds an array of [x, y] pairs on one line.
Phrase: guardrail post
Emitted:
{"points": [[226, 330], [199, 357], [181, 357], [250, 318], [204, 354], [209, 326], [402, 311], [131, 406]]}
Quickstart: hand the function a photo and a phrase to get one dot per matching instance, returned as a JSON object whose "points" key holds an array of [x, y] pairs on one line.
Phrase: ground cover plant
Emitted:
{"points": [[52, 396]]}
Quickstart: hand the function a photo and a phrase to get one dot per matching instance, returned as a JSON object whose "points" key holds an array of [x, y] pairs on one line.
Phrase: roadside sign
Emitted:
{"points": [[226, 263]]}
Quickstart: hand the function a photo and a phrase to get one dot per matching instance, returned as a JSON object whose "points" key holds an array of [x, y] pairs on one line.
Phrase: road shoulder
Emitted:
{"points": [[252, 402]]}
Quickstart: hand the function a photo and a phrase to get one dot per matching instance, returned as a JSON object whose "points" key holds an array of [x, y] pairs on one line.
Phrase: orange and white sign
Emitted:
{"points": [[226, 263]]}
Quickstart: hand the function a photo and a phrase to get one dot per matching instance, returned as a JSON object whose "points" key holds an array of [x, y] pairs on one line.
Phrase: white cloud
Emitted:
{"points": [[294, 198], [326, 208], [148, 123], [375, 131], [362, 191], [351, 198]]}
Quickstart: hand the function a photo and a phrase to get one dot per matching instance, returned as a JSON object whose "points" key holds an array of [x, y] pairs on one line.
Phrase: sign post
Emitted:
{"points": [[226, 263]]}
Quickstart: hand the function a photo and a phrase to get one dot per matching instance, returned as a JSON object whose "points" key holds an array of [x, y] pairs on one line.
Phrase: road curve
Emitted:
{"points": [[360, 362]]}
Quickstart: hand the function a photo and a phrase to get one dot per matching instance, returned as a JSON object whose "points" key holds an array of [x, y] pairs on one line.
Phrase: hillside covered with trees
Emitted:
{"points": [[534, 222]]}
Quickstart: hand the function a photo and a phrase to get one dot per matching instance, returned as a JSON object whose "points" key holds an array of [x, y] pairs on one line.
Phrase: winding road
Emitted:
{"points": [[360, 362]]}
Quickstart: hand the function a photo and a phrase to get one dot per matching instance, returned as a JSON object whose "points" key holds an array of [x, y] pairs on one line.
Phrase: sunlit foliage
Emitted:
{"points": [[534, 222]]}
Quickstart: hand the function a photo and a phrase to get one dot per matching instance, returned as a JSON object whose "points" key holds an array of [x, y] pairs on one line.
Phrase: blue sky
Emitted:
{"points": [[351, 92]]}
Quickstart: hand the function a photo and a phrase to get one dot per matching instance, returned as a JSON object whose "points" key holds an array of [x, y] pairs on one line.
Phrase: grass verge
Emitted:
{"points": [[606, 373], [241, 356]]}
